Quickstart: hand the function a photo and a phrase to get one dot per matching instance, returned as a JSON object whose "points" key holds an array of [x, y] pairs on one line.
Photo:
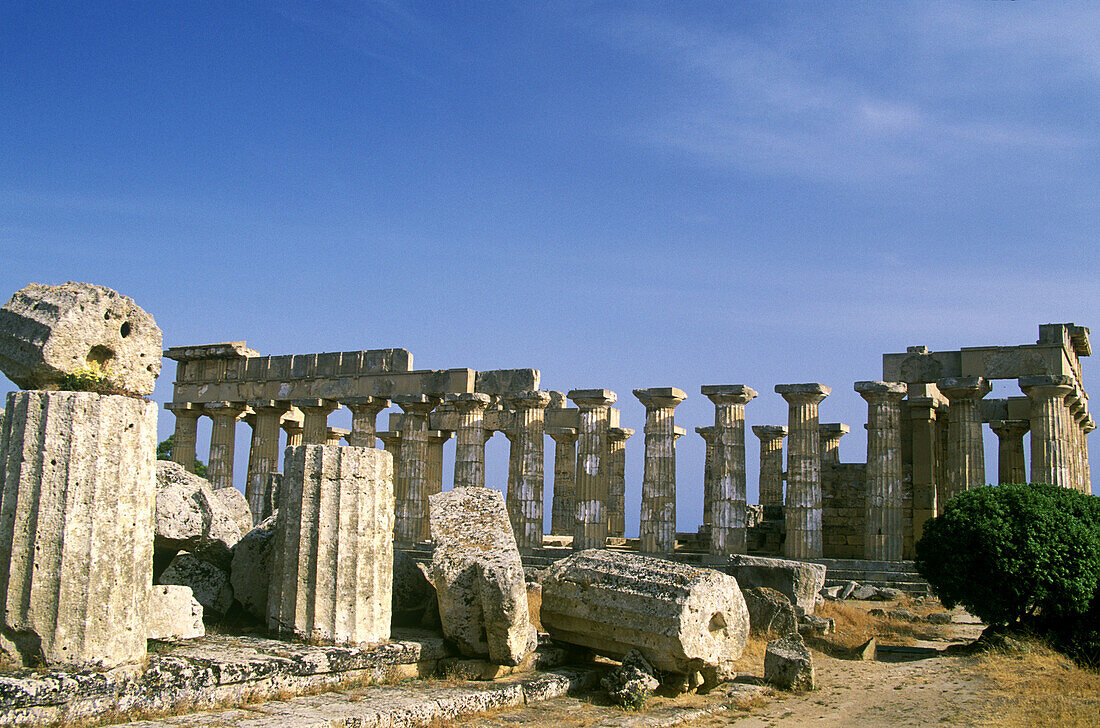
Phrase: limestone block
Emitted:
{"points": [[77, 487], [236, 505], [798, 580], [208, 583], [47, 332], [867, 591], [413, 595], [788, 665], [632, 683], [478, 576], [682, 618], [770, 612], [250, 572], [332, 567], [174, 614], [191, 517]]}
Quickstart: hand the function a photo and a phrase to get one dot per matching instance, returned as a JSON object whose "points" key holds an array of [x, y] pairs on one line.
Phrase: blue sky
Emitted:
{"points": [[619, 194]]}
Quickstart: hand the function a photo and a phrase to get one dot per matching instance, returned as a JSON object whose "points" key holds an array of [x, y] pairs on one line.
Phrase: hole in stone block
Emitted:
{"points": [[125, 329], [717, 622], [100, 355]]}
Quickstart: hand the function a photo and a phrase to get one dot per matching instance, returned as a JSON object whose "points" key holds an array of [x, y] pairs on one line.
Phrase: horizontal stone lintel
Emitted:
{"points": [[990, 362]]}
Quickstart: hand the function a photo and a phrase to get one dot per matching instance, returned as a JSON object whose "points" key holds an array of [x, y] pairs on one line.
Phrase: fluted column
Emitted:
{"points": [[965, 452], [187, 429], [263, 458], [1010, 449], [922, 423], [333, 435], [470, 439], [436, 440], [529, 427], [883, 522], [1049, 448], [803, 508], [771, 463], [707, 433], [616, 488], [315, 414], [292, 426], [391, 443], [565, 479], [658, 517], [831, 432], [729, 517], [223, 432], [593, 467], [1077, 417], [1088, 427], [410, 492], [364, 418]]}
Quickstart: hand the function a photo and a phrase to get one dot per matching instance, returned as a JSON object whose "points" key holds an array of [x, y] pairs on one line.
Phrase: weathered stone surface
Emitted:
{"points": [[208, 583], [866, 591], [47, 332], [831, 593], [478, 576], [632, 683], [682, 618], [77, 490], [788, 665], [250, 573], [234, 502], [413, 595], [814, 625], [174, 614], [770, 612], [800, 581], [887, 594], [191, 517]]}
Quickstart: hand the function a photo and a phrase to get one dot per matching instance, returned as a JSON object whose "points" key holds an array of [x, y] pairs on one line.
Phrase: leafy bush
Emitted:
{"points": [[164, 452], [92, 377]]}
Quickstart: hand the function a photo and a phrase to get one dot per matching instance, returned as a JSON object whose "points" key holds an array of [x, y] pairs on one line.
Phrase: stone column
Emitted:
{"points": [[1078, 416], [436, 440], [729, 518], [658, 518], [771, 463], [593, 469], [364, 418], [219, 470], [565, 479], [803, 509], [391, 443], [263, 458], [292, 426], [529, 429], [616, 489], [831, 432], [333, 435], [77, 497], [410, 489], [1010, 449], [187, 429], [315, 414], [1088, 427], [922, 422], [332, 557], [707, 433], [470, 439], [965, 452], [883, 522], [1049, 448]]}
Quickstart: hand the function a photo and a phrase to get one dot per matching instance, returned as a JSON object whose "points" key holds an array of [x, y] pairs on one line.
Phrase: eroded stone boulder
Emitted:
{"points": [[798, 580], [632, 683], [236, 505], [48, 332], [191, 518], [770, 612], [250, 571], [478, 576], [174, 614], [209, 584], [788, 664]]}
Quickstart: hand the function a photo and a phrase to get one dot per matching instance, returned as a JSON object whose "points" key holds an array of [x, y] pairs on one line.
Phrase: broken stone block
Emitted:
{"points": [[77, 488], [887, 594], [939, 618], [478, 576], [788, 664], [236, 505], [798, 580], [682, 618], [850, 587], [832, 593], [632, 683], [174, 614], [769, 611], [332, 565], [867, 651], [812, 624], [208, 583], [864, 592], [250, 572], [48, 332], [191, 517]]}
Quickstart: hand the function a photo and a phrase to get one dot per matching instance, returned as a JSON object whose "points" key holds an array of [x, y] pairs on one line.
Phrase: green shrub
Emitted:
{"points": [[164, 452]]}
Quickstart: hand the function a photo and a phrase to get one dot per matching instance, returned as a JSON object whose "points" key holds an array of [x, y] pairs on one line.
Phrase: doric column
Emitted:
{"points": [[616, 488], [593, 467], [1049, 448], [391, 443], [965, 452], [292, 426], [333, 435], [707, 433], [470, 439], [883, 522], [565, 479], [658, 519], [830, 433], [410, 499], [1010, 449], [803, 508], [922, 422], [528, 444], [729, 518], [187, 428], [436, 440], [1077, 416], [364, 418], [263, 458], [315, 414], [771, 463], [1088, 427], [223, 433]]}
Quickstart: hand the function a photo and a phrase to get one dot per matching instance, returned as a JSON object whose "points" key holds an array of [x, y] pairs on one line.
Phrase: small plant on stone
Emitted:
{"points": [[92, 377]]}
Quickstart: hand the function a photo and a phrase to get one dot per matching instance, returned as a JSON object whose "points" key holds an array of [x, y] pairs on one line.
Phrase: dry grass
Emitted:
{"points": [[854, 626], [752, 659]]}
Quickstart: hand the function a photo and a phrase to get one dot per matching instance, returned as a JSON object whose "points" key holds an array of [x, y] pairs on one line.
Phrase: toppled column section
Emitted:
{"points": [[593, 467], [478, 576], [658, 519], [682, 619], [332, 563], [883, 529], [803, 511], [729, 519]]}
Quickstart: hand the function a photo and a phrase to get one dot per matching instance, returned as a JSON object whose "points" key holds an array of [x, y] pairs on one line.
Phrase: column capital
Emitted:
{"points": [[316, 403], [389, 437], [224, 408], [767, 433], [619, 434], [924, 408], [956, 388], [532, 399], [366, 403], [592, 398], [833, 429], [1089, 426], [1043, 386], [1010, 428], [557, 399], [185, 408], [563, 435], [269, 405], [707, 433], [728, 393], [660, 397], [876, 392], [417, 403], [804, 393], [439, 436], [469, 401]]}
